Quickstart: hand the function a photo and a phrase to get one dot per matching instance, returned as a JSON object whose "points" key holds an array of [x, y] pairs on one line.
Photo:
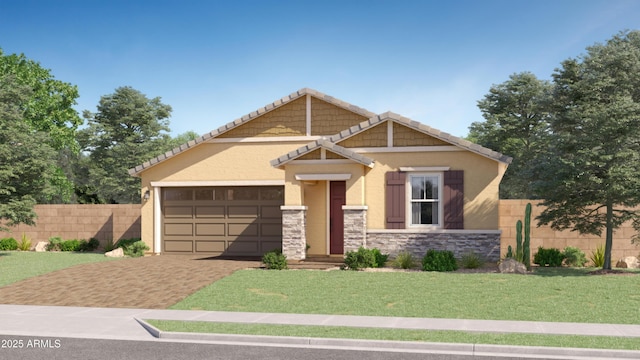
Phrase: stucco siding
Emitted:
{"points": [[315, 197], [481, 178]]}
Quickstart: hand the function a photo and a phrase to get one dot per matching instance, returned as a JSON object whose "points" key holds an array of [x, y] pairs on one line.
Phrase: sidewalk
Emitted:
{"points": [[128, 324]]}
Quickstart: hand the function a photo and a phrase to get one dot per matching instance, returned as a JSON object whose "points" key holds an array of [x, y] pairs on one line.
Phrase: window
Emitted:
{"points": [[425, 194]]}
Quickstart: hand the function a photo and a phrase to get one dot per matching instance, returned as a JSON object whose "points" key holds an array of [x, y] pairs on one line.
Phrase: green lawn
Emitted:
{"points": [[19, 265], [574, 341], [567, 295]]}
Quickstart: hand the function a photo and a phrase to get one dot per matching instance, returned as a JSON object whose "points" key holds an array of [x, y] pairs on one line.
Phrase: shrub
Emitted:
{"points": [[574, 257], [380, 258], [70, 245], [135, 249], [597, 256], [439, 260], [404, 260], [25, 243], [548, 257], [471, 260], [8, 244], [363, 258], [275, 260], [125, 243], [109, 245], [54, 243], [88, 246]]}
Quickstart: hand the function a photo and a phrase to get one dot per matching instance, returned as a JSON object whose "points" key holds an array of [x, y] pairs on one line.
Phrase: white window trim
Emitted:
{"points": [[409, 210]]}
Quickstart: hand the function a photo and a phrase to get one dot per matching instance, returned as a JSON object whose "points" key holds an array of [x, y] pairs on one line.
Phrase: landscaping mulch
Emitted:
{"points": [[154, 282]]}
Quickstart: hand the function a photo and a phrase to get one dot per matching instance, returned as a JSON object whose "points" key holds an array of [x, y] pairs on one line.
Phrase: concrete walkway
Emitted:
{"points": [[128, 324]]}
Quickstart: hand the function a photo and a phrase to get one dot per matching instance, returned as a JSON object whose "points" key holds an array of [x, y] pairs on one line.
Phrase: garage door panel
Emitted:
{"points": [[210, 212], [178, 211], [244, 247], [240, 229], [178, 229], [210, 229], [271, 229], [243, 212], [210, 246], [270, 212], [222, 220], [178, 246]]}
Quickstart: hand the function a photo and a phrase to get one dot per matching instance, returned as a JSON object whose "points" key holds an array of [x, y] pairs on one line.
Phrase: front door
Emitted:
{"points": [[337, 198]]}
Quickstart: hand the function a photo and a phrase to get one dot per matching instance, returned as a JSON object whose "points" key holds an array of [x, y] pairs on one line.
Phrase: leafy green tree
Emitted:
{"points": [[592, 181], [516, 123], [127, 129], [25, 156], [49, 105]]}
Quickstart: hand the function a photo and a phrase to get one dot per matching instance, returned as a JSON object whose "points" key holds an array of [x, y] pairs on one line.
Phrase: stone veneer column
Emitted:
{"points": [[294, 236], [355, 227]]}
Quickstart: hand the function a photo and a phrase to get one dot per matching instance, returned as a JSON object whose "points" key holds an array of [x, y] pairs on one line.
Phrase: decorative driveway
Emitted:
{"points": [[154, 282]]}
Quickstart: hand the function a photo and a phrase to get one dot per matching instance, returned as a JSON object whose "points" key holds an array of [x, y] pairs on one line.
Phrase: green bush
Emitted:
{"points": [[574, 257], [8, 244], [70, 245], [88, 246], [54, 243], [597, 256], [365, 258], [135, 249], [109, 245], [439, 260], [380, 258], [548, 257], [275, 260], [404, 260], [471, 260]]}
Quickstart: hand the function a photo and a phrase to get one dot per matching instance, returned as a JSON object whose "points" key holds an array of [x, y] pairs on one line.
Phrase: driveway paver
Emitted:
{"points": [[154, 282]]}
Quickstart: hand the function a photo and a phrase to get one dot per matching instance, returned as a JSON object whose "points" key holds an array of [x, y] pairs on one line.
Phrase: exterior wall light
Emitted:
{"points": [[146, 195]]}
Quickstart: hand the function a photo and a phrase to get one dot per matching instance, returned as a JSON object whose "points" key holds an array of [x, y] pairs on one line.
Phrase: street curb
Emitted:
{"points": [[531, 352]]}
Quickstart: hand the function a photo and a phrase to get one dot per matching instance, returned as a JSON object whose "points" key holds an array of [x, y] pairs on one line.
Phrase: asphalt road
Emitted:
{"points": [[36, 348]]}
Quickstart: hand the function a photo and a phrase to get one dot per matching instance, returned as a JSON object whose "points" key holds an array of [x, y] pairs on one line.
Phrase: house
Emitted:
{"points": [[317, 176]]}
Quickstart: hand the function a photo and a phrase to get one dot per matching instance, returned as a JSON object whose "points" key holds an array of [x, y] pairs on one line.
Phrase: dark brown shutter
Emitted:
{"points": [[395, 199], [453, 199]]}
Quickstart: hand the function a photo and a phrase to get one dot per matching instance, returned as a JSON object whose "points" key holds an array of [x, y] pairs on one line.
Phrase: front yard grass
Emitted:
{"points": [[549, 294], [20, 265], [561, 295], [574, 341]]}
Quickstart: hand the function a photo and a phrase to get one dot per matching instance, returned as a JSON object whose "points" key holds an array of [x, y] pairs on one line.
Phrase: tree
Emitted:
{"points": [[49, 105], [127, 129], [516, 123], [25, 156], [592, 181]]}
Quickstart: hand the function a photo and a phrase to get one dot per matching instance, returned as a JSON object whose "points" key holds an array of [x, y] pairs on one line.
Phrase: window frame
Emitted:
{"points": [[410, 201]]}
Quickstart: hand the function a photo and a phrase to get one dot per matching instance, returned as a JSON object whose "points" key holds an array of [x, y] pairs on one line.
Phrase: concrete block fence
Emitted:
{"points": [[76, 221]]}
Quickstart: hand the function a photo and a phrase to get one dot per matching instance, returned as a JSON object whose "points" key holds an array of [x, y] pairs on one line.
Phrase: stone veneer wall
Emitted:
{"points": [[355, 227], [485, 244], [294, 241]]}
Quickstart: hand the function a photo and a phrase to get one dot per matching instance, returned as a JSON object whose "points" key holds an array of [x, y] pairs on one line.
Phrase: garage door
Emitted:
{"points": [[243, 220]]}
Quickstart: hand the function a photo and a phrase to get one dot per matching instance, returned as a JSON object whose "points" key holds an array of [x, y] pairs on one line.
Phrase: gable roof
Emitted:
{"points": [[326, 144], [246, 118], [454, 140]]}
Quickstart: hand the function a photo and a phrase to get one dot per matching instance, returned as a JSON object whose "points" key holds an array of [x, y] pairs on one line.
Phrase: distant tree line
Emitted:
{"points": [[45, 155]]}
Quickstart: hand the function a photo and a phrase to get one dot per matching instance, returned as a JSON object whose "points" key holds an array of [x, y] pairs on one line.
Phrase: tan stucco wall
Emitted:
{"points": [[219, 162], [315, 197], [481, 180]]}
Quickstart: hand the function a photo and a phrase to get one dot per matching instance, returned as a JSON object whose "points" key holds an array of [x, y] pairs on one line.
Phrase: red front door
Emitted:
{"points": [[337, 198]]}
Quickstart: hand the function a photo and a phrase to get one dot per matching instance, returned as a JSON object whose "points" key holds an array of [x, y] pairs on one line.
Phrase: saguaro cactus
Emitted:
{"points": [[519, 252], [526, 247]]}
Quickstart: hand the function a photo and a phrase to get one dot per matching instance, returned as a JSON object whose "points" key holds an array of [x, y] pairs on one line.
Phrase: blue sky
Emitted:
{"points": [[214, 61]]}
